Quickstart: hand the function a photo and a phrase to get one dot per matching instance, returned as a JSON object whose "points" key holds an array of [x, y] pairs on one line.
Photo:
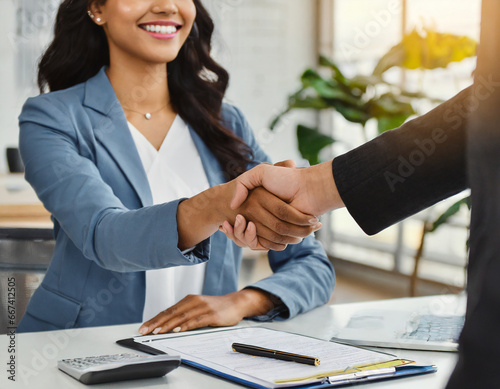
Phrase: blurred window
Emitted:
{"points": [[363, 31]]}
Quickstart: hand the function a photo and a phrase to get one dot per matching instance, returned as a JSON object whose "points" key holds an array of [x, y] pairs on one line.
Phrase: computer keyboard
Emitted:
{"points": [[433, 328]]}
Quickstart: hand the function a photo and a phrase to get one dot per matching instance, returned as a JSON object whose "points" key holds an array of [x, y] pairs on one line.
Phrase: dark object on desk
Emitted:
{"points": [[132, 344], [32, 234], [25, 254], [14, 160], [276, 354], [118, 367]]}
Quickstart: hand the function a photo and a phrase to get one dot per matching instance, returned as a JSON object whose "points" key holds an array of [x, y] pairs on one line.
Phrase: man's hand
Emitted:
{"points": [[196, 311], [311, 190]]}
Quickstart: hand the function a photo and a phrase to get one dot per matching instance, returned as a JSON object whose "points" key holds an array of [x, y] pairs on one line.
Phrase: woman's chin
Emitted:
{"points": [[160, 58]]}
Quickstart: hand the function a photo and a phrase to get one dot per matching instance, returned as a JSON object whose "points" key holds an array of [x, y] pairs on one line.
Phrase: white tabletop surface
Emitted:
{"points": [[37, 353]]}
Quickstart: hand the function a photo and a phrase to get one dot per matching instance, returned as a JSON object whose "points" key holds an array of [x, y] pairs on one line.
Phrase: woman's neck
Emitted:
{"points": [[140, 87]]}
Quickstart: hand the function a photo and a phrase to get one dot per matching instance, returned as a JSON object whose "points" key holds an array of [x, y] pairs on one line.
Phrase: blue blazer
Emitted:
{"points": [[83, 164]]}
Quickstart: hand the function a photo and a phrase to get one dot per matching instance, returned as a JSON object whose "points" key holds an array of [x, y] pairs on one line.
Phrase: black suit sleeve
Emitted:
{"points": [[406, 170]]}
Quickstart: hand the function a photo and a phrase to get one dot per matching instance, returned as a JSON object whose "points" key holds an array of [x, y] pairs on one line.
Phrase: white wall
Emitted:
{"points": [[264, 44], [8, 96], [25, 29]]}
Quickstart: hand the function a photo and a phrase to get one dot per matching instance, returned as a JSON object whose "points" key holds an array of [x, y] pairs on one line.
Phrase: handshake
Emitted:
{"points": [[279, 204]]}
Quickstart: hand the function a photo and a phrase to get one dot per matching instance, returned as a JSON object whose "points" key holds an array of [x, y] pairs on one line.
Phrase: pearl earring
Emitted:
{"points": [[98, 20], [90, 14]]}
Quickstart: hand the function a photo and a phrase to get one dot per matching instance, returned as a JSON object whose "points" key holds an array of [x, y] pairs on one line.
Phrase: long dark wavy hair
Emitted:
{"points": [[196, 82]]}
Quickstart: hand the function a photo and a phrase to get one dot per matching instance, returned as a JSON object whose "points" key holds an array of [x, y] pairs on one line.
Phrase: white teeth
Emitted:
{"points": [[161, 29]]}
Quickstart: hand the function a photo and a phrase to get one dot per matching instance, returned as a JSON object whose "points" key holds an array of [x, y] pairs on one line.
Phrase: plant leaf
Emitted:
{"points": [[386, 123], [390, 104], [452, 210], [275, 121], [337, 74], [394, 57], [354, 114], [427, 49], [362, 83], [327, 89], [313, 102], [311, 142]]}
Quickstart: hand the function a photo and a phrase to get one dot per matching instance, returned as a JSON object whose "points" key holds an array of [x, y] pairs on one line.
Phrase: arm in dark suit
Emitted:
{"points": [[406, 170]]}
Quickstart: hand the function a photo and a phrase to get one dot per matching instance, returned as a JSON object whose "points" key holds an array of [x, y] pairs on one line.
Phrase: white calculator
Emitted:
{"points": [[118, 367]]}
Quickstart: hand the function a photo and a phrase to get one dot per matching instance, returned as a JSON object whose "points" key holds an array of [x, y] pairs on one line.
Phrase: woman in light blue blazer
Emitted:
{"points": [[119, 66]]}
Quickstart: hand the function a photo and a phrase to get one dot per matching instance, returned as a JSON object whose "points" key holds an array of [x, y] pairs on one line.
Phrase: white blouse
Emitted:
{"points": [[174, 171]]}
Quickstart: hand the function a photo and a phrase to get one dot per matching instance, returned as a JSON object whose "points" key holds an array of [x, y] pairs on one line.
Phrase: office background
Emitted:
{"points": [[266, 45]]}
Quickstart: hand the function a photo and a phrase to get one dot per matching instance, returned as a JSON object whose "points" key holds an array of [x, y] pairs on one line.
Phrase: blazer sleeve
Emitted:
{"points": [[406, 170], [303, 277], [85, 207]]}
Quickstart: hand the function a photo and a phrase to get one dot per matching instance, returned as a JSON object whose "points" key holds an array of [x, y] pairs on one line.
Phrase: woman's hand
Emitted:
{"points": [[243, 234], [196, 311]]}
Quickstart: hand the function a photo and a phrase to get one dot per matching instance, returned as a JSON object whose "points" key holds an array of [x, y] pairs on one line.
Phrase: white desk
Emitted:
{"points": [[37, 353]]}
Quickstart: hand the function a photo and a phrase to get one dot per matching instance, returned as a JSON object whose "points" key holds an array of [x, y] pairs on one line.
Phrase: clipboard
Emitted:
{"points": [[381, 366]]}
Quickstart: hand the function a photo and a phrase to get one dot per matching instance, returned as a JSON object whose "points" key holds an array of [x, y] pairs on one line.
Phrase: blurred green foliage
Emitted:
{"points": [[363, 98]]}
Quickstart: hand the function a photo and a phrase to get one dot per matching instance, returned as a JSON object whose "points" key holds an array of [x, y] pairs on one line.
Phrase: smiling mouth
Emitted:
{"points": [[160, 29]]}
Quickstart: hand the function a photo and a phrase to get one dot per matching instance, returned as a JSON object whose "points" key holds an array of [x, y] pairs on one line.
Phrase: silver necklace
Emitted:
{"points": [[147, 115]]}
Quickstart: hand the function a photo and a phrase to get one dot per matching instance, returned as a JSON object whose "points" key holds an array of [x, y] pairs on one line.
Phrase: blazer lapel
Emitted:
{"points": [[111, 129]]}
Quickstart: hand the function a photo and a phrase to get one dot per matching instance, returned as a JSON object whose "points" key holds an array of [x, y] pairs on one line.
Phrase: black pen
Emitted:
{"points": [[282, 355]]}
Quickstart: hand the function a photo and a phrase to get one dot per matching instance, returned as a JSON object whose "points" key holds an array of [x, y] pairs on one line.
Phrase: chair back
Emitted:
{"points": [[25, 254], [14, 160]]}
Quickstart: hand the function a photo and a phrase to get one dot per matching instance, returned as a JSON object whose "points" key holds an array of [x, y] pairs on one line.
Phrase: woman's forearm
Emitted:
{"points": [[200, 216]]}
